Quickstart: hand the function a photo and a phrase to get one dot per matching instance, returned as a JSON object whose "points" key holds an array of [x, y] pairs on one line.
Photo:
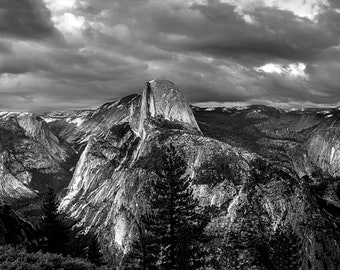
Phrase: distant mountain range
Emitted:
{"points": [[99, 160]]}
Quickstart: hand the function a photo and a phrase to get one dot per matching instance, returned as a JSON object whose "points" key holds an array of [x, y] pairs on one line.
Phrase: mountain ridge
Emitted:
{"points": [[117, 148]]}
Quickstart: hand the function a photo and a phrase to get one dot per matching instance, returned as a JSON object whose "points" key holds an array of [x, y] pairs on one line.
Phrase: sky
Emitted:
{"points": [[74, 54]]}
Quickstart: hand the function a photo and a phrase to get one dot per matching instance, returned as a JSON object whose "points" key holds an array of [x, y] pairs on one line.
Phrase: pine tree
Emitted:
{"points": [[173, 229], [246, 245], [93, 254], [144, 249], [285, 250], [52, 225]]}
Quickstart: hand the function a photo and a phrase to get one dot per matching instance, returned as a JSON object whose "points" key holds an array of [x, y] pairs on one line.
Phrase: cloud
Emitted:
{"points": [[217, 30], [215, 51], [5, 48], [26, 19], [294, 70], [334, 3]]}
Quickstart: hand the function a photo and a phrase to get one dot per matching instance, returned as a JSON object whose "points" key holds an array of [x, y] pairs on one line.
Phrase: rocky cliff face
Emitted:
{"points": [[301, 140], [161, 99], [109, 186], [31, 156], [158, 99], [323, 145], [119, 148]]}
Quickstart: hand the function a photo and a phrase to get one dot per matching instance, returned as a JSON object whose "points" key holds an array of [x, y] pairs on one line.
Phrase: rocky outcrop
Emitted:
{"points": [[119, 148], [11, 186], [324, 146], [109, 185], [299, 139], [107, 191], [162, 99], [31, 156]]}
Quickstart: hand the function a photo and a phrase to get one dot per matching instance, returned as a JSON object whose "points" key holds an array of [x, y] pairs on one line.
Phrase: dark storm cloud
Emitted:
{"points": [[5, 48], [334, 3], [133, 48], [123, 7], [20, 64], [28, 19], [330, 19], [217, 30], [212, 51]]}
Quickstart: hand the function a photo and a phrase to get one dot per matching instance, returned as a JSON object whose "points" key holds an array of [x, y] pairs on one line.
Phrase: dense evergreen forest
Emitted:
{"points": [[51, 244]]}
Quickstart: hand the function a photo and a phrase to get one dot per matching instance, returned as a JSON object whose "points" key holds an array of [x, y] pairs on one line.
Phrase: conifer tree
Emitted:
{"points": [[144, 249], [251, 243], [173, 229], [246, 244], [52, 225], [285, 250], [94, 254]]}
